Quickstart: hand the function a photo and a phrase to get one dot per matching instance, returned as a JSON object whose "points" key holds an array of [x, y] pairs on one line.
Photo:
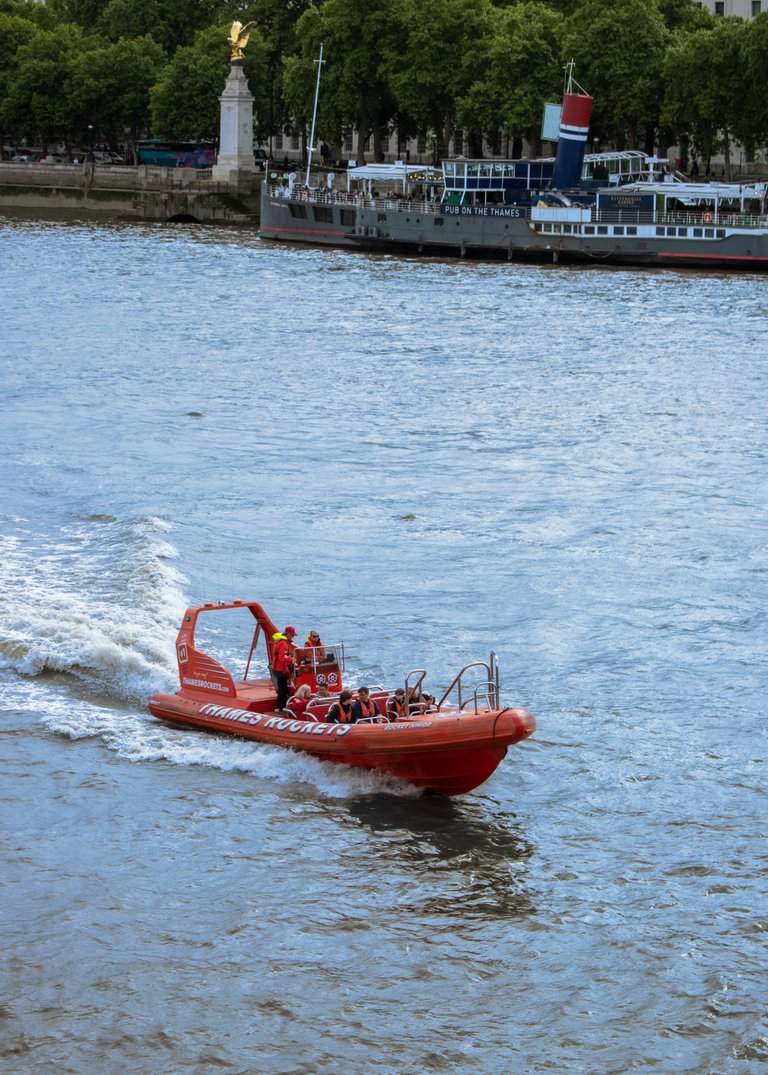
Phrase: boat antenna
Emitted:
{"points": [[569, 81], [319, 63]]}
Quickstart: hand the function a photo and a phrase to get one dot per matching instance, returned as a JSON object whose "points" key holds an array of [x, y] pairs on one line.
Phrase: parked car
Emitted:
{"points": [[26, 158]]}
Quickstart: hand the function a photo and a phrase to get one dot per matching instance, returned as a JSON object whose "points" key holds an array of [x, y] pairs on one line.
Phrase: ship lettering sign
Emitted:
{"points": [[510, 211], [209, 685], [280, 724]]}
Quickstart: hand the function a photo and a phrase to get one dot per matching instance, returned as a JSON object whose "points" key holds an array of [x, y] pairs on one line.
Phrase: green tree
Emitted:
{"points": [[755, 52], [355, 92], [523, 71], [185, 98], [35, 11], [439, 62], [172, 23], [277, 24], [619, 48], [83, 13], [112, 85], [14, 32], [708, 90], [40, 93]]}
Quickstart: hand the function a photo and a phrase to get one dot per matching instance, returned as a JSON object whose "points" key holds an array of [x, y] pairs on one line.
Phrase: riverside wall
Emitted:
{"points": [[129, 193]]}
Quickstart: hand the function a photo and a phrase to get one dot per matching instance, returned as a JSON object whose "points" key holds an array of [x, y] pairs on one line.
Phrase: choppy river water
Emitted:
{"points": [[429, 460]]}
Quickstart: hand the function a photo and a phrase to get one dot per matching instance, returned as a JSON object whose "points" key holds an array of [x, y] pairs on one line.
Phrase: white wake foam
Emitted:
{"points": [[99, 600], [88, 621]]}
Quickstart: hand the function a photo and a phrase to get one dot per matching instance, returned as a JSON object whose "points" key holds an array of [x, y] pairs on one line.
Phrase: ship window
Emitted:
{"points": [[682, 232], [348, 217], [709, 233], [299, 211], [618, 231], [720, 233], [589, 230], [381, 217], [602, 230], [439, 221], [567, 228], [660, 231], [631, 231], [697, 233]]}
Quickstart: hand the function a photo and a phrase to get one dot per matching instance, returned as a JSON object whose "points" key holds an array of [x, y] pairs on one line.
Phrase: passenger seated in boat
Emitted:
{"points": [[341, 711], [322, 692], [396, 707], [420, 703], [365, 707], [299, 702]]}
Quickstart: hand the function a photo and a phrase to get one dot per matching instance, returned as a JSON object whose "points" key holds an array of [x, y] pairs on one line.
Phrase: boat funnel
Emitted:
{"points": [[574, 128]]}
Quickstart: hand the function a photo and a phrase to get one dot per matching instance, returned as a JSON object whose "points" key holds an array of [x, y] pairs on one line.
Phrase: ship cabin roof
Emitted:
{"points": [[467, 177]]}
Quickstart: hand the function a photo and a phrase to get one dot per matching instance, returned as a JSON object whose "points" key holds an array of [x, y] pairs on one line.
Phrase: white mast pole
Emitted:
{"points": [[314, 112]]}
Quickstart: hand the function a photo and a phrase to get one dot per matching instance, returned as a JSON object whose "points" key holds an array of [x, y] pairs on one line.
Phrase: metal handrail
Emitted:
{"points": [[457, 682]]}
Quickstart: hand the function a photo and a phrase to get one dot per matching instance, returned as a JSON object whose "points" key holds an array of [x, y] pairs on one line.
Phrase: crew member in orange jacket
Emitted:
{"points": [[314, 650], [281, 667]]}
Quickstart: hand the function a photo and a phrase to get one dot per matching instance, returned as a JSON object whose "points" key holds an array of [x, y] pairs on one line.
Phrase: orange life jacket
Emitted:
{"points": [[396, 708], [282, 659], [344, 715]]}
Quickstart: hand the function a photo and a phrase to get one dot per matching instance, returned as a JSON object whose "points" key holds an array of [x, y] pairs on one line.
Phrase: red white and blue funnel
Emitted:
{"points": [[574, 128]]}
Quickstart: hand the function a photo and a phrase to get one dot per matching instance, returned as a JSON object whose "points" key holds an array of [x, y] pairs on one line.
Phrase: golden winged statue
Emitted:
{"points": [[238, 39]]}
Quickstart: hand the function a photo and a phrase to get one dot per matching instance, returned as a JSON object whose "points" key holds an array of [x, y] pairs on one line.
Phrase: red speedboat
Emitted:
{"points": [[450, 745]]}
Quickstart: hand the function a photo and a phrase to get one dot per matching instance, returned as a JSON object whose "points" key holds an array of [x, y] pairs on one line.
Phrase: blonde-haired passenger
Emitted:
{"points": [[299, 702]]}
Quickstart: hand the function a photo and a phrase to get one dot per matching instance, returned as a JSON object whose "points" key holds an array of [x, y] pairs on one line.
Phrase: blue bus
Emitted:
{"points": [[167, 154]]}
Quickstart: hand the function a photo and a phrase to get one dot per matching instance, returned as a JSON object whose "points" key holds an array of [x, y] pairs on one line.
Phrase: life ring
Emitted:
{"points": [[707, 218]]}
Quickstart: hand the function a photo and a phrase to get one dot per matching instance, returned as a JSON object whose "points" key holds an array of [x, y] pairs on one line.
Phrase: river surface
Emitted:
{"points": [[428, 460]]}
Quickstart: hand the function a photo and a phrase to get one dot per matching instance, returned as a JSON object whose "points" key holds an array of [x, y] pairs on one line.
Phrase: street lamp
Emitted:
{"points": [[90, 142]]}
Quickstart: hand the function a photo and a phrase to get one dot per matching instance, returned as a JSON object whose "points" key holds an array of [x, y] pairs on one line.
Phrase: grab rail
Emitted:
{"points": [[489, 689]]}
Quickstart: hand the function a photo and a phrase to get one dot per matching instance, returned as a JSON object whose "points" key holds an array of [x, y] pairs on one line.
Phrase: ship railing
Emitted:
{"points": [[381, 203], [700, 217]]}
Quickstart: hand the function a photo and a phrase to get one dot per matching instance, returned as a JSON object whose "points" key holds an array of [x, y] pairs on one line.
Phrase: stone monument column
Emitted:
{"points": [[235, 163]]}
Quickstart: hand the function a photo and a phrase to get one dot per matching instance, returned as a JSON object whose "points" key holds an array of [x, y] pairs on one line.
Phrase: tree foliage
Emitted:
{"points": [[619, 46], [658, 70], [185, 98], [709, 94], [355, 34], [523, 70]]}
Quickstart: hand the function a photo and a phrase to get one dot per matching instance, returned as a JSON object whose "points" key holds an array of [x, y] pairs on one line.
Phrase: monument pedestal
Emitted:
{"points": [[235, 164]]}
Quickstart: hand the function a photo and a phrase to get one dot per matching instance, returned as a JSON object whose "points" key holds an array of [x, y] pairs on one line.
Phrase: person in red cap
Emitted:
{"points": [[282, 665]]}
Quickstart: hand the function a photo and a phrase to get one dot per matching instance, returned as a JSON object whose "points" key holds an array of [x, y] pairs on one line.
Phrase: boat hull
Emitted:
{"points": [[501, 232], [450, 752]]}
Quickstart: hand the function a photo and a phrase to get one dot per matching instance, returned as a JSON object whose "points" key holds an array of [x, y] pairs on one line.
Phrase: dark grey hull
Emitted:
{"points": [[509, 234]]}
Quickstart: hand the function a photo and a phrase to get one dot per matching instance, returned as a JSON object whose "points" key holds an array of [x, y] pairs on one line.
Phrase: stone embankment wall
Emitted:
{"points": [[126, 193]]}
